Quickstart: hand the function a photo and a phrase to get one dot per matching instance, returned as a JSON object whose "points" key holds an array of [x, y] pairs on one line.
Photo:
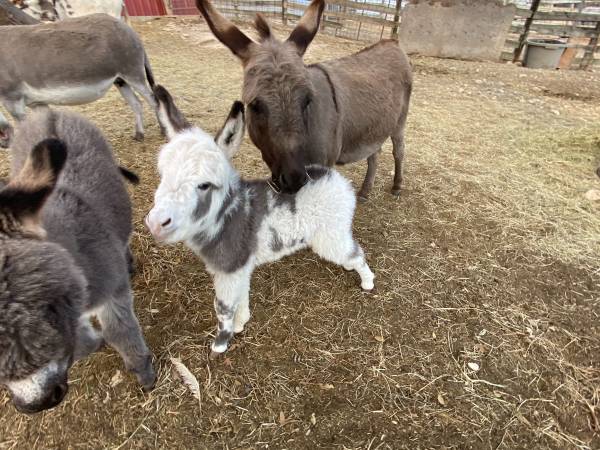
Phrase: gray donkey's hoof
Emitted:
{"points": [[146, 375], [6, 132], [138, 136]]}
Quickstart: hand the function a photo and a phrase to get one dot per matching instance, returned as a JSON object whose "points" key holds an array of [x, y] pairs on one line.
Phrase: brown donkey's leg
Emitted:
{"points": [[367, 185], [398, 151], [398, 146]]}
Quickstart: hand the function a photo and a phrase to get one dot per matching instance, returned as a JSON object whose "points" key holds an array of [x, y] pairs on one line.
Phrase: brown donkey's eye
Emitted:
{"points": [[256, 106], [306, 102]]}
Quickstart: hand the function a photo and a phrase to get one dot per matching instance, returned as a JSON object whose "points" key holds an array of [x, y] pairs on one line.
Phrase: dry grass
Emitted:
{"points": [[484, 330]]}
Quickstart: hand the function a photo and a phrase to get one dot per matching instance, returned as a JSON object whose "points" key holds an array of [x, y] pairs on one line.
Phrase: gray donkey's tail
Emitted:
{"points": [[149, 74]]}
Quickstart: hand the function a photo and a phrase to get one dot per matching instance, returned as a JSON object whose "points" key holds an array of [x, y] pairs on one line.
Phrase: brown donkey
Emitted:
{"points": [[334, 112]]}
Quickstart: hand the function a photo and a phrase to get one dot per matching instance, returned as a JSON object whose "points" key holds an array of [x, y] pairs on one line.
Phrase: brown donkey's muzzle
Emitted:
{"points": [[292, 182]]}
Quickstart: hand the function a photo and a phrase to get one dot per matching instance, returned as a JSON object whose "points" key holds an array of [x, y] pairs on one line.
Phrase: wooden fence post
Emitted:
{"points": [[397, 19], [168, 7], [11, 15], [590, 50], [523, 38], [283, 12]]}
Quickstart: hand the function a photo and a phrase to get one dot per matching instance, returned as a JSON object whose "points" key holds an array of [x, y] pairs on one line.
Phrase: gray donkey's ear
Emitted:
{"points": [[25, 194], [229, 138], [170, 117]]}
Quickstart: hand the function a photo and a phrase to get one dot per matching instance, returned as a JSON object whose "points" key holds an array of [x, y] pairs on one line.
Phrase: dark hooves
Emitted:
{"points": [[146, 376], [6, 132], [362, 198], [150, 386], [396, 192], [138, 136]]}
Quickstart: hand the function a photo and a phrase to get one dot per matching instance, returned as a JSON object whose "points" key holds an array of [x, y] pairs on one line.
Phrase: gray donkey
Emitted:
{"points": [[334, 112], [65, 223], [71, 62]]}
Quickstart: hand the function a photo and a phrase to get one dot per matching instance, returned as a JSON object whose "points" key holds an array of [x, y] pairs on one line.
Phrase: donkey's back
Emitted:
{"points": [[89, 211], [94, 47], [71, 62]]}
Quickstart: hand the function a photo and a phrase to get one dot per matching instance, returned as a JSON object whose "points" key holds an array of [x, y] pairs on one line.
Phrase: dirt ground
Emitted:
{"points": [[484, 329]]}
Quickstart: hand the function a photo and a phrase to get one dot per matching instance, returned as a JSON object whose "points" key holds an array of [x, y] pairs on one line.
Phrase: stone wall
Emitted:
{"points": [[463, 29]]}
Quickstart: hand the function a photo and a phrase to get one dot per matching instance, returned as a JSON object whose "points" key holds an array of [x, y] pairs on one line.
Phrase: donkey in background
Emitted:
{"points": [[52, 10], [334, 112], [65, 223], [235, 225], [88, 56]]}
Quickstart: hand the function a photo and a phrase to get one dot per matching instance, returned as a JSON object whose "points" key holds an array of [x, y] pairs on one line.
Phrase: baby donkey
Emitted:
{"points": [[235, 225]]}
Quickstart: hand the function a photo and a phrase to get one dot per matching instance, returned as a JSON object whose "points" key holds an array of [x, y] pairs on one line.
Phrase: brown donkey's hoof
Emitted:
{"points": [[396, 192], [362, 198]]}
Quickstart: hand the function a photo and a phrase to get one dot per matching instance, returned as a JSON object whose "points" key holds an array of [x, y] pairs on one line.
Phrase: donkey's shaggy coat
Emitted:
{"points": [[65, 223], [235, 225]]}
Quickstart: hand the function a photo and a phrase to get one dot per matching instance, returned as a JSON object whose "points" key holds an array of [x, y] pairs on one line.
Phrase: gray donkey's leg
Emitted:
{"points": [[121, 331], [140, 86], [367, 185], [135, 104], [88, 339], [232, 291], [16, 108]]}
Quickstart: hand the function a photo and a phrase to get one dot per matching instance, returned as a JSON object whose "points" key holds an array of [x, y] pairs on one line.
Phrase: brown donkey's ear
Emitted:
{"points": [[25, 195], [225, 31], [172, 119], [263, 27], [308, 26]]}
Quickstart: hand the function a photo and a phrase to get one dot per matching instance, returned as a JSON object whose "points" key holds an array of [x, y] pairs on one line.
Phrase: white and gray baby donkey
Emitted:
{"points": [[235, 225], [65, 223]]}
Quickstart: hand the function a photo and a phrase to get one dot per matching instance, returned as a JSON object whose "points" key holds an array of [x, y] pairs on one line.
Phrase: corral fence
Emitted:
{"points": [[361, 20], [576, 22]]}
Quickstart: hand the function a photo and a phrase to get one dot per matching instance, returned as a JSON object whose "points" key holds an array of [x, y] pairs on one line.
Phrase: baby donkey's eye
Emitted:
{"points": [[204, 186]]}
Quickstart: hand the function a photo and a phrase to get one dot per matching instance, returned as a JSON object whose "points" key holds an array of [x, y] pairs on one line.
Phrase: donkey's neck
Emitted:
{"points": [[231, 240]]}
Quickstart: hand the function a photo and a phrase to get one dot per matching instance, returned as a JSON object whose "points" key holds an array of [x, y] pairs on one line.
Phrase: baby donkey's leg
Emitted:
{"points": [[242, 314], [356, 261], [231, 306], [340, 248]]}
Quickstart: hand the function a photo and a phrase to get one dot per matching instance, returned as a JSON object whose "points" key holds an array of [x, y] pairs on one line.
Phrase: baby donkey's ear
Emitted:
{"points": [[230, 137], [24, 196], [169, 115]]}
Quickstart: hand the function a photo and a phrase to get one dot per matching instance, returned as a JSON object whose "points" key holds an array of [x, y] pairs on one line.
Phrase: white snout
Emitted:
{"points": [[161, 223]]}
